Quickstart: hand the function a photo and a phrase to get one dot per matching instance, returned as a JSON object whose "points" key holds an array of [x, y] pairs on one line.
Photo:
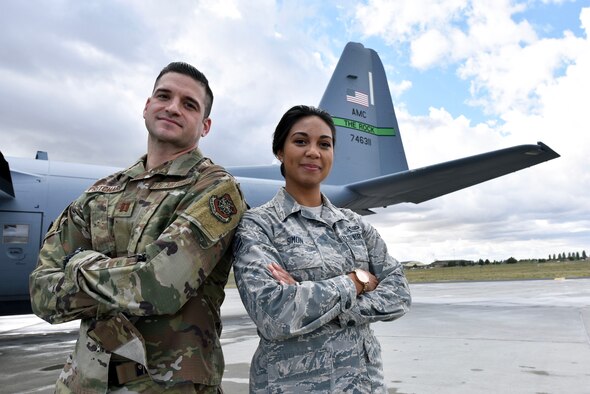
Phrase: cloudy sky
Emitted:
{"points": [[466, 77]]}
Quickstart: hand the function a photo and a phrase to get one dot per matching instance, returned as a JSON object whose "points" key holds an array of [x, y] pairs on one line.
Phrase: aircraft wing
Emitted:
{"points": [[426, 183]]}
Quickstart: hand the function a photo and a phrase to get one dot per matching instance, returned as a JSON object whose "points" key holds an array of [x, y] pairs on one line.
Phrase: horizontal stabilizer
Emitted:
{"points": [[262, 172], [429, 182]]}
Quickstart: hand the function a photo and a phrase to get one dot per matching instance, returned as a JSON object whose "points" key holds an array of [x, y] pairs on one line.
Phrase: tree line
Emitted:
{"points": [[571, 256]]}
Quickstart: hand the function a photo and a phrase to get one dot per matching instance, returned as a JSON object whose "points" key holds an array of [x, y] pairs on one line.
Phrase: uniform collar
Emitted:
{"points": [[285, 205], [177, 167]]}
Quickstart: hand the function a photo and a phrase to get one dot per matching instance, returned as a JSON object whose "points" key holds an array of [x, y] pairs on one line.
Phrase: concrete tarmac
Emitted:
{"points": [[462, 337]]}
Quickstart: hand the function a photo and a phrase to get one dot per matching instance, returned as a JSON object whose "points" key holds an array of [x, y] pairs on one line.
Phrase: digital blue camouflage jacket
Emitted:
{"points": [[315, 336]]}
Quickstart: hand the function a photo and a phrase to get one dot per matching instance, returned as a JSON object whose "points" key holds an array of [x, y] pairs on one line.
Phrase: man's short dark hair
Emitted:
{"points": [[290, 118], [191, 71]]}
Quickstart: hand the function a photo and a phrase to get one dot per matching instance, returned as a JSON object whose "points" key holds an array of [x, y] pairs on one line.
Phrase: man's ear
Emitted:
{"points": [[206, 127], [147, 102]]}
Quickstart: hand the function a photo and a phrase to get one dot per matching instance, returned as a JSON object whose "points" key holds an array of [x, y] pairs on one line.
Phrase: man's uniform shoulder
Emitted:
{"points": [[219, 208], [111, 179]]}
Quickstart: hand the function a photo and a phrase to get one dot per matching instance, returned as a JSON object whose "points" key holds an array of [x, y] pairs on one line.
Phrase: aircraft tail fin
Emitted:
{"points": [[368, 141]]}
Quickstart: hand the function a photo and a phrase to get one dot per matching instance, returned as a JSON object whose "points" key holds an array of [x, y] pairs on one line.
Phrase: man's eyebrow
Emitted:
{"points": [[188, 98], [161, 90]]}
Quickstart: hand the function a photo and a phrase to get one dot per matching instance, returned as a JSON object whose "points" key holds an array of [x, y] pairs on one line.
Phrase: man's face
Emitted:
{"points": [[174, 114]]}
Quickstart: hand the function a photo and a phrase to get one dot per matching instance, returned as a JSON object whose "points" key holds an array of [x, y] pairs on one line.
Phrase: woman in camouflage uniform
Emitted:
{"points": [[313, 276]]}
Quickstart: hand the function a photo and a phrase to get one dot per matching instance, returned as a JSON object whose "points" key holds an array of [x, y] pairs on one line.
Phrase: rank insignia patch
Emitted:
{"points": [[222, 207]]}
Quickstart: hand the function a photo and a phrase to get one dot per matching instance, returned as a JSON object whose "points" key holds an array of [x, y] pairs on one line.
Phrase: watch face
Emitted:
{"points": [[362, 276]]}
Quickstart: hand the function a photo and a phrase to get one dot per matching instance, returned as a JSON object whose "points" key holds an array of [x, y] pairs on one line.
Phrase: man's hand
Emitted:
{"points": [[281, 275]]}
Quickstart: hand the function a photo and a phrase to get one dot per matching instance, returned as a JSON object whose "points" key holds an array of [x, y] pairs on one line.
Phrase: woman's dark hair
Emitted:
{"points": [[290, 118]]}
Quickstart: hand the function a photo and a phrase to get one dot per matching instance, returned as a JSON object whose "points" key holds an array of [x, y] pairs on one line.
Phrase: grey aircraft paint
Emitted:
{"points": [[370, 170]]}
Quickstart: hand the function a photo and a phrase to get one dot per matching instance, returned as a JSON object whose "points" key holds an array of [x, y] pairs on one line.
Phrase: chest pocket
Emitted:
{"points": [[358, 248], [155, 209], [142, 220], [102, 241]]}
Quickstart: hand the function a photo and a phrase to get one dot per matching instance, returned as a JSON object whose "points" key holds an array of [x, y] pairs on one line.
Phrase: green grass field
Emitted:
{"points": [[520, 270]]}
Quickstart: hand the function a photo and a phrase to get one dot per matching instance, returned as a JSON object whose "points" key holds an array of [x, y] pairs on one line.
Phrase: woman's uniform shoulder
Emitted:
{"points": [[350, 214], [262, 213]]}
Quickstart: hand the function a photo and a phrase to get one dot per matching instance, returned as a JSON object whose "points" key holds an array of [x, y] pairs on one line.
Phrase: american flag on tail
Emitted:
{"points": [[357, 97]]}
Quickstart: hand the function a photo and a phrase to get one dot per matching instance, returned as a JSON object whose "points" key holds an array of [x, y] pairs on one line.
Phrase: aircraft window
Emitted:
{"points": [[15, 234]]}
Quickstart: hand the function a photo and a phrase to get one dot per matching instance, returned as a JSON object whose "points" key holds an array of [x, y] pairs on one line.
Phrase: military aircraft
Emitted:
{"points": [[370, 170]]}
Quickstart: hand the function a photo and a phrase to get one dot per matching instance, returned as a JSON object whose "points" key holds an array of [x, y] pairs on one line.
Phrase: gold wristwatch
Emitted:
{"points": [[362, 277]]}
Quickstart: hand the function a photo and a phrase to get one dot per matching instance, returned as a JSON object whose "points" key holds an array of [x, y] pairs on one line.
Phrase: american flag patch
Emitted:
{"points": [[357, 97]]}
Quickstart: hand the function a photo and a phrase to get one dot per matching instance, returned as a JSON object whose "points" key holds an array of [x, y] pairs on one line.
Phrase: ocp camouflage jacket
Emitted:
{"points": [[148, 281]]}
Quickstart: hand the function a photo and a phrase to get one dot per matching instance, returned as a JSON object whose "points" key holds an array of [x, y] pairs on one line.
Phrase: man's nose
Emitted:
{"points": [[173, 106]]}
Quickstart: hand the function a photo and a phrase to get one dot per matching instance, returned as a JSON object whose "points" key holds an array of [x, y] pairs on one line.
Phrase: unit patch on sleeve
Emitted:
{"points": [[222, 207], [216, 213]]}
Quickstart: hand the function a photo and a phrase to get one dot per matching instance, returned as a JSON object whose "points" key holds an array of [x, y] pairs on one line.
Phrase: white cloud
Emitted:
{"points": [[260, 58], [536, 88], [258, 65], [399, 21], [429, 48], [397, 89], [223, 8], [540, 92], [76, 77], [504, 60], [509, 78]]}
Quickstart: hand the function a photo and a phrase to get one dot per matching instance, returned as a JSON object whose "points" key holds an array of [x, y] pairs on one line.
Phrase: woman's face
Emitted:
{"points": [[308, 153]]}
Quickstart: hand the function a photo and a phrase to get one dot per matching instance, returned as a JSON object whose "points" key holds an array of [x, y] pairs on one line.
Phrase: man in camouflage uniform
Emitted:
{"points": [[143, 255]]}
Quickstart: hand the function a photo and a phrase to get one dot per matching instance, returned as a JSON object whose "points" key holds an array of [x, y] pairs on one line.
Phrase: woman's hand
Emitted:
{"points": [[371, 285], [373, 282], [281, 275]]}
